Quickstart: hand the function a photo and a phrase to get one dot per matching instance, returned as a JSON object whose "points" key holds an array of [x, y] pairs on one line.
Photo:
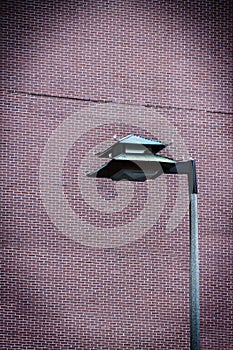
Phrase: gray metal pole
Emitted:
{"points": [[194, 263]]}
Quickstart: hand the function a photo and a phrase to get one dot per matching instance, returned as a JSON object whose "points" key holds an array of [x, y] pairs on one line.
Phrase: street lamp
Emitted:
{"points": [[135, 158]]}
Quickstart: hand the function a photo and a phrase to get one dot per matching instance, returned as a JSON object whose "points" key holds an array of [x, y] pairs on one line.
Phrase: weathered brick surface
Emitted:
{"points": [[60, 57]]}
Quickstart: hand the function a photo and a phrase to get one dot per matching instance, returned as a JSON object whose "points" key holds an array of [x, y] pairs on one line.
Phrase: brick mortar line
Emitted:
{"points": [[109, 101]]}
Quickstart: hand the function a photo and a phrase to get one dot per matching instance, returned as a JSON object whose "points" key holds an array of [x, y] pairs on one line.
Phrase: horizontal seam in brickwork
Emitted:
{"points": [[110, 101]]}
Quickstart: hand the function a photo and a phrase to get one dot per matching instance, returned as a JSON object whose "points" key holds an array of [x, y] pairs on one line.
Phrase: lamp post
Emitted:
{"points": [[135, 158]]}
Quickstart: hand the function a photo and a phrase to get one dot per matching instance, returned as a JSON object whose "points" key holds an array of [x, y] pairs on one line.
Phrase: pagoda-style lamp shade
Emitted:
{"points": [[133, 158]]}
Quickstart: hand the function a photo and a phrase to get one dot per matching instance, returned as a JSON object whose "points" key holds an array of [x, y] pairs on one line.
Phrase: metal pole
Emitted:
{"points": [[194, 262]]}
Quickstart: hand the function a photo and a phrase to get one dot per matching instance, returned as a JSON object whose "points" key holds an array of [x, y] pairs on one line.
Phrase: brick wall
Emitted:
{"points": [[157, 69]]}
